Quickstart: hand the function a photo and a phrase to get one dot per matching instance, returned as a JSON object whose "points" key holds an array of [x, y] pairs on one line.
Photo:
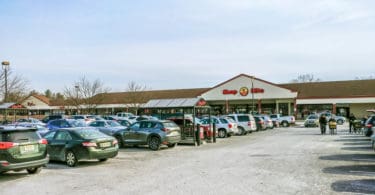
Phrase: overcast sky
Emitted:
{"points": [[173, 44]]}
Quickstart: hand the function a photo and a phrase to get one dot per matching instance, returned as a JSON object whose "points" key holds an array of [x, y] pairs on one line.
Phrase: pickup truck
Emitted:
{"points": [[284, 121]]}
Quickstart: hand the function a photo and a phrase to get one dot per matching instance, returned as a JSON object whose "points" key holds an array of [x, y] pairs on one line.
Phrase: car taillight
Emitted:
{"points": [[89, 144], [230, 126], [43, 141], [369, 125], [6, 145], [165, 130], [249, 123], [115, 142]]}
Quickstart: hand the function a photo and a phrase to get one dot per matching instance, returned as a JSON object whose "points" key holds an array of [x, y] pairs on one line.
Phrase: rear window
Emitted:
{"points": [[243, 118], [223, 120], [90, 134], [169, 124], [19, 136]]}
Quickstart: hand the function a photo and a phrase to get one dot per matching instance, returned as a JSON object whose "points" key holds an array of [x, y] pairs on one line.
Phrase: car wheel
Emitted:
{"points": [[242, 131], [34, 170], [284, 124], [222, 133], [103, 159], [172, 145], [154, 143], [340, 122], [71, 159], [119, 141]]}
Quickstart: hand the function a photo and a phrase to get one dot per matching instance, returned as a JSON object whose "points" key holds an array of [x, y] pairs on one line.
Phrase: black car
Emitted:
{"points": [[370, 122], [261, 125], [52, 117], [74, 144], [22, 148]]}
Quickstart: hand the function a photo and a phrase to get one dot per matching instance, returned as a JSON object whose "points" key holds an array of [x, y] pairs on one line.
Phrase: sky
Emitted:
{"points": [[178, 44]]}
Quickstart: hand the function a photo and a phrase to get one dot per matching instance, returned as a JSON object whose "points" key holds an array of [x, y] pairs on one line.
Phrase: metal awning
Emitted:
{"points": [[175, 103], [6, 105]]}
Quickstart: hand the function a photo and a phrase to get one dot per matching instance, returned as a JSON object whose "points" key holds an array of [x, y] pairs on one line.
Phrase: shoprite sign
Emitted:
{"points": [[244, 91]]}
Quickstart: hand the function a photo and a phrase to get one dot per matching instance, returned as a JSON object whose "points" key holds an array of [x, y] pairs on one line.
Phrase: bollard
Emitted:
{"points": [[214, 133], [197, 132]]}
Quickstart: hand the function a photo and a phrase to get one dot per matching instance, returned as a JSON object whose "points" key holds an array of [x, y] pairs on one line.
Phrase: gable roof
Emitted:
{"points": [[334, 89], [145, 96]]}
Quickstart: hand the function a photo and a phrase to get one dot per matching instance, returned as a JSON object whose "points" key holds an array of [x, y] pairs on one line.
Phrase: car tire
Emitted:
{"points": [[34, 170], [119, 141], [242, 131], [222, 133], [103, 159], [154, 143], [285, 124], [70, 159], [172, 145], [340, 122]]}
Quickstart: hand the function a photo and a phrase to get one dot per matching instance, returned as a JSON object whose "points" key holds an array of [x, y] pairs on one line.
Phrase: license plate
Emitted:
{"points": [[105, 144], [28, 149]]}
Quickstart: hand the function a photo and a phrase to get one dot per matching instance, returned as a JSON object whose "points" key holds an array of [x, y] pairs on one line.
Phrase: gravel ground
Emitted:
{"points": [[292, 160]]}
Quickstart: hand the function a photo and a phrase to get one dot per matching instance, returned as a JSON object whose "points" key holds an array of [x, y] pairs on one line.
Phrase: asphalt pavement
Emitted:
{"points": [[294, 160]]}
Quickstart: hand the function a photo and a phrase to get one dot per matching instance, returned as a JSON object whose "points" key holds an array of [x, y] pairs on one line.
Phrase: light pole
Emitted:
{"points": [[252, 94], [77, 102], [5, 65]]}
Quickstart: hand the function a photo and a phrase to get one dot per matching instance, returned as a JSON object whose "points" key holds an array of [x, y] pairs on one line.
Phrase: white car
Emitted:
{"points": [[225, 126], [246, 123]]}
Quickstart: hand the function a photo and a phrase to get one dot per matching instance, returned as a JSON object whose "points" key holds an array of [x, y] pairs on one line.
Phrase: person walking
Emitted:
{"points": [[323, 123], [351, 122]]}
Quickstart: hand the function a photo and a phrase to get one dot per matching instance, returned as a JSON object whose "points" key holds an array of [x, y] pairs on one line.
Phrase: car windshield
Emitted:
{"points": [[114, 123], [90, 134]]}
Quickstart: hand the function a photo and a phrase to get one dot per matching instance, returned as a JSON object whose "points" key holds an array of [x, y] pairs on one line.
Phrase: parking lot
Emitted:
{"points": [[294, 160]]}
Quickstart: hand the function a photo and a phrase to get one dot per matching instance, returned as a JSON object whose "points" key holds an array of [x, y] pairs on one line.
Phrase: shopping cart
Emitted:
{"points": [[357, 126]]}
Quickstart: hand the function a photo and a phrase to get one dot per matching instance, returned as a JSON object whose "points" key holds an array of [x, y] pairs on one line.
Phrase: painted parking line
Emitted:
{"points": [[363, 172], [363, 159]]}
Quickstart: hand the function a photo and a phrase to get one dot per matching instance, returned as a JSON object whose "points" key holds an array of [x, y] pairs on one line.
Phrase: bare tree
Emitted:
{"points": [[136, 95], [85, 94], [16, 85], [305, 78]]}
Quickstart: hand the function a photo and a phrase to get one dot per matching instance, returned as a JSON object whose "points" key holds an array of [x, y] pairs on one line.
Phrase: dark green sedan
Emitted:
{"points": [[74, 144]]}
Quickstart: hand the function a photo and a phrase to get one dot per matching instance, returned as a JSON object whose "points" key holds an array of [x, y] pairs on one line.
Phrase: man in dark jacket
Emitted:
{"points": [[323, 123], [351, 122]]}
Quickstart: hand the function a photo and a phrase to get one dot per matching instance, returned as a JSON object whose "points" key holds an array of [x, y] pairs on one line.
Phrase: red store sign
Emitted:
{"points": [[229, 92]]}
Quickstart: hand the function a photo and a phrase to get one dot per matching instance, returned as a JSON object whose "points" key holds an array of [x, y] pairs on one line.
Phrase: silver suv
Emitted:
{"points": [[246, 122]]}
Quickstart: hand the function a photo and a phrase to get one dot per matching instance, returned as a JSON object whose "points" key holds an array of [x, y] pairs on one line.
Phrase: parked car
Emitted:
{"points": [[41, 129], [153, 133], [124, 114], [108, 127], [22, 148], [225, 126], [267, 121], [312, 121], [109, 117], [190, 125], [339, 119], [284, 121], [53, 117], [124, 122], [86, 118], [65, 123], [31, 120], [261, 125], [246, 122], [369, 125], [75, 144]]}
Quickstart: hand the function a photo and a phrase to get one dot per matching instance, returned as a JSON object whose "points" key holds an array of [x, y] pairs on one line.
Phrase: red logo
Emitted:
{"points": [[257, 90], [229, 92]]}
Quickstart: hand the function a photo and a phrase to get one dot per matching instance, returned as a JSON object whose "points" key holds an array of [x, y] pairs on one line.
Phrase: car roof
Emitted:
{"points": [[16, 128]]}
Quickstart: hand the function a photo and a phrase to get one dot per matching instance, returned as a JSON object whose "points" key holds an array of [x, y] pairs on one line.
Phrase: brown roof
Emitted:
{"points": [[145, 96], [334, 89], [41, 98]]}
